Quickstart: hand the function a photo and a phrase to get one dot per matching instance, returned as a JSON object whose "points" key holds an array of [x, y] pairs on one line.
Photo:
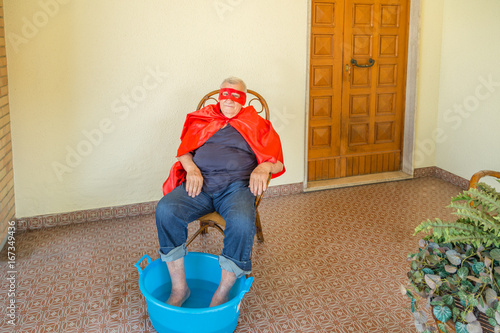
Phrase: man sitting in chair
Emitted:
{"points": [[226, 154]]}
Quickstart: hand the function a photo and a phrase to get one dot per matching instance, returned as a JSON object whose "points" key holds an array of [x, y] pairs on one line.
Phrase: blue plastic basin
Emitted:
{"points": [[203, 276]]}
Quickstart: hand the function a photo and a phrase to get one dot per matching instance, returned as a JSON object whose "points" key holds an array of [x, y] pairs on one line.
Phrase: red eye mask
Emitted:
{"points": [[233, 94]]}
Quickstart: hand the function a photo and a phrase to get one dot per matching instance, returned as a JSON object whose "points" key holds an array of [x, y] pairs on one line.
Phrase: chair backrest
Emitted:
{"points": [[259, 103]]}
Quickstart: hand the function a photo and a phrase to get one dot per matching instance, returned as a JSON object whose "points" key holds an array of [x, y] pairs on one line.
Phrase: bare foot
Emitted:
{"points": [[219, 298], [178, 297], [221, 295], [180, 290]]}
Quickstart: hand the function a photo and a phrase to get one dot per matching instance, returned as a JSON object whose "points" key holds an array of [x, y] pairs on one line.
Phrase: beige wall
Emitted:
{"points": [[431, 27], [469, 94], [458, 116], [102, 89], [7, 204]]}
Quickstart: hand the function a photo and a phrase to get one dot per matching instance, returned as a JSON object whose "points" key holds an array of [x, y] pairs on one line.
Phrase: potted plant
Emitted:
{"points": [[456, 271]]}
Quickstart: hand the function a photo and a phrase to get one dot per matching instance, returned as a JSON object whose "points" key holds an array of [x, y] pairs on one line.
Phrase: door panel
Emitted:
{"points": [[356, 111], [325, 87]]}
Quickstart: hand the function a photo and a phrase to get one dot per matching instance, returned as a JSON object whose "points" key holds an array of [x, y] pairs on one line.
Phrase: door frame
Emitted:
{"points": [[407, 158]]}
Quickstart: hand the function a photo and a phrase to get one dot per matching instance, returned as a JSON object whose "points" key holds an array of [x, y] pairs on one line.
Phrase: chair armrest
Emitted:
{"points": [[478, 175]]}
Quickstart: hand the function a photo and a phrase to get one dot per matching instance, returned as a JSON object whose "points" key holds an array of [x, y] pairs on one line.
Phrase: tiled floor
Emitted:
{"points": [[332, 262]]}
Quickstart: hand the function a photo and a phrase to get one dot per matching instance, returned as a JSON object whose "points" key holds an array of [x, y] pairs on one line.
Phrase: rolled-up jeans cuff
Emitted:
{"points": [[231, 266], [174, 254]]}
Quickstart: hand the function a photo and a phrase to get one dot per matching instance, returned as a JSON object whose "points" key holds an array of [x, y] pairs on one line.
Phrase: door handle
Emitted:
{"points": [[371, 62]]}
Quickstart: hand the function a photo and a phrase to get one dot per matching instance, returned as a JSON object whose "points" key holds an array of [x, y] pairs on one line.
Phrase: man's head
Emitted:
{"points": [[232, 96]]}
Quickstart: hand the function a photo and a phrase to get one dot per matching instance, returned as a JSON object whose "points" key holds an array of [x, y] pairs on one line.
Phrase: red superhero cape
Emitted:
{"points": [[202, 124]]}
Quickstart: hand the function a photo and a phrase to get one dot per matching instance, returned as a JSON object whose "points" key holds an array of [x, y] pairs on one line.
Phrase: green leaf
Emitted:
{"points": [[428, 271], [490, 296], [487, 262], [433, 281], [480, 220], [450, 269], [418, 276], [473, 301], [490, 312], [482, 306], [495, 254], [414, 265], [460, 328], [435, 303], [486, 279], [442, 313], [433, 260], [453, 257], [448, 299], [464, 314], [492, 322], [478, 267], [463, 272], [466, 285], [422, 243], [474, 279]]}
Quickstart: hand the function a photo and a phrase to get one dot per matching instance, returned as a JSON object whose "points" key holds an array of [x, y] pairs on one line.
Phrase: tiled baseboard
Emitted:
{"points": [[281, 190], [109, 213], [442, 174], [91, 215], [146, 208]]}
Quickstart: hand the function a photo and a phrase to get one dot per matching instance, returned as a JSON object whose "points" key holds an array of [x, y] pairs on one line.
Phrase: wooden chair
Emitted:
{"points": [[478, 175], [213, 219]]}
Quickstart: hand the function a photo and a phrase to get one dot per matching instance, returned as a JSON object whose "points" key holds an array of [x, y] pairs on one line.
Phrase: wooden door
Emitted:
{"points": [[357, 87]]}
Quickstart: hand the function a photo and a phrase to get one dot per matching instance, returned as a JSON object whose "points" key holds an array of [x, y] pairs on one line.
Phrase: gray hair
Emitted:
{"points": [[235, 80]]}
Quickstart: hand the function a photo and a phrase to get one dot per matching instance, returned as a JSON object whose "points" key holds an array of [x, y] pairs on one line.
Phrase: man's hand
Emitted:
{"points": [[258, 178], [194, 179], [194, 182]]}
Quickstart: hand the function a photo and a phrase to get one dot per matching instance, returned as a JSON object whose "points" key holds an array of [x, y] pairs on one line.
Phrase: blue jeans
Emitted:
{"points": [[236, 204]]}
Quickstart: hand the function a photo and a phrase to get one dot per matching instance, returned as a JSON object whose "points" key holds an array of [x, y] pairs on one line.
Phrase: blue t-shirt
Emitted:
{"points": [[224, 158]]}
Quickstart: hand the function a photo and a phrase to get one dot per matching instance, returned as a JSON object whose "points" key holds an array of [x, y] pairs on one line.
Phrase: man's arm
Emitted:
{"points": [[259, 176], [194, 179]]}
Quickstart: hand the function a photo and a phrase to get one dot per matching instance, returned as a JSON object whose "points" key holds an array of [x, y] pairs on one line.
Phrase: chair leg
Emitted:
{"points": [[203, 229], [260, 235]]}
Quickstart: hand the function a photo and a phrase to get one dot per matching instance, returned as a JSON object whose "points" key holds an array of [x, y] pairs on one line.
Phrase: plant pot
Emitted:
{"points": [[450, 325]]}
